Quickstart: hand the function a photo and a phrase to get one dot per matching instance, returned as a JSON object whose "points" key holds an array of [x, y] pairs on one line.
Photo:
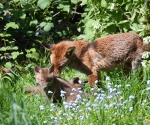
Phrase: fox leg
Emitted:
{"points": [[94, 80]]}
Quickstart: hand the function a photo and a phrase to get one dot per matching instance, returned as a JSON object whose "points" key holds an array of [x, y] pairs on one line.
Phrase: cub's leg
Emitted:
{"points": [[34, 90]]}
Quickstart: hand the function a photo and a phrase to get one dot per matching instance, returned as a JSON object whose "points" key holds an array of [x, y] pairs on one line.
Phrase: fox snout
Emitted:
{"points": [[56, 72]]}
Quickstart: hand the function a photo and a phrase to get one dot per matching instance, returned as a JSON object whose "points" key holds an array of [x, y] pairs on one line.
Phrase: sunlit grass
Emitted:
{"points": [[126, 100]]}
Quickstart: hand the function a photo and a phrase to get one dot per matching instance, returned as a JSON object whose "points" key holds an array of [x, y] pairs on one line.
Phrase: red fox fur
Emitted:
{"points": [[117, 50]]}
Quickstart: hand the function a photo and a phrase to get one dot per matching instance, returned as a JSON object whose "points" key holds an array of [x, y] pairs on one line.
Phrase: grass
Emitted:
{"points": [[125, 101]]}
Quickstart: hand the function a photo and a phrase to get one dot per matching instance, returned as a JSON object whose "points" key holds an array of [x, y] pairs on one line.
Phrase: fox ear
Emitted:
{"points": [[48, 46], [75, 80], [36, 69], [70, 51]]}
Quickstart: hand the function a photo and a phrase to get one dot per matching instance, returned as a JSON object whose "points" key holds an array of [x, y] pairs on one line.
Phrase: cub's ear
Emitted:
{"points": [[36, 69], [70, 51], [48, 46], [75, 80]]}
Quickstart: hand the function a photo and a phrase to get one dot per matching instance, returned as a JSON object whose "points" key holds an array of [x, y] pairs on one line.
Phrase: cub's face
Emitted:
{"points": [[44, 76], [60, 56]]}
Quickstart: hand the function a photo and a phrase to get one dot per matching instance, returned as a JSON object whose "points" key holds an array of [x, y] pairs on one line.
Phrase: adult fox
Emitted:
{"points": [[117, 50]]}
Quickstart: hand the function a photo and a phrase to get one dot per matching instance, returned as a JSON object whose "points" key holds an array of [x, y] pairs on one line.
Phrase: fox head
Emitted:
{"points": [[59, 55], [44, 76]]}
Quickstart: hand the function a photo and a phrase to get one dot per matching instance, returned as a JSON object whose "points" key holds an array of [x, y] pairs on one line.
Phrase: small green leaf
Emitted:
{"points": [[1, 35], [1, 5], [64, 7], [33, 22], [15, 48], [124, 21], [15, 1], [32, 50], [48, 18], [3, 49], [8, 65], [29, 33], [43, 3], [12, 25], [133, 15], [83, 2], [48, 26], [103, 3], [74, 1], [15, 54], [42, 24], [22, 15]]}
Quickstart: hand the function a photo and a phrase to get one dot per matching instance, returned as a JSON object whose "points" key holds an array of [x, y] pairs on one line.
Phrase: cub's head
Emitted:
{"points": [[44, 76], [60, 55]]}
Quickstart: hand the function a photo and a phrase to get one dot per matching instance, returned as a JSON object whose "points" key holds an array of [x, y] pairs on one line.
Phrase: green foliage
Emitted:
{"points": [[103, 18], [23, 24]]}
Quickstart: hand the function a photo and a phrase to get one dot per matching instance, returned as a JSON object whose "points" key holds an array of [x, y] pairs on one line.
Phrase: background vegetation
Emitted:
{"points": [[26, 23]]}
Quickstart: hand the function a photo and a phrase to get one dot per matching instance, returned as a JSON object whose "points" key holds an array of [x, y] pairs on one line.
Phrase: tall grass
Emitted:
{"points": [[125, 101]]}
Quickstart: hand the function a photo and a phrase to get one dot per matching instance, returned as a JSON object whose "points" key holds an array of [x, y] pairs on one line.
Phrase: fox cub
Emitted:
{"points": [[53, 86]]}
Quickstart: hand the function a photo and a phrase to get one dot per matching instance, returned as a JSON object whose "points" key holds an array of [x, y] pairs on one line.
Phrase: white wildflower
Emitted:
{"points": [[146, 40], [130, 109], [96, 25], [80, 91], [79, 81], [89, 109], [78, 96], [50, 92], [53, 105], [131, 97], [109, 97], [63, 92], [71, 93], [88, 104], [145, 55], [92, 89], [107, 78], [74, 89], [41, 107], [148, 88], [148, 82], [143, 64], [45, 122], [143, 102], [128, 85], [119, 86], [81, 117], [96, 81], [112, 6]]}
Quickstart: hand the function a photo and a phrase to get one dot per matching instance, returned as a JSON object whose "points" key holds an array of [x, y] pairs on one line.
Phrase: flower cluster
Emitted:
{"points": [[110, 100]]}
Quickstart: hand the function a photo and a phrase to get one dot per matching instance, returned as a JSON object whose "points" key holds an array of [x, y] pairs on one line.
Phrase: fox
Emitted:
{"points": [[52, 86], [105, 53]]}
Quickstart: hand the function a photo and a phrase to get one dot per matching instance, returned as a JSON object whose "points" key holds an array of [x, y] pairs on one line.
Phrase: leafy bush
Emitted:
{"points": [[101, 18], [24, 23]]}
